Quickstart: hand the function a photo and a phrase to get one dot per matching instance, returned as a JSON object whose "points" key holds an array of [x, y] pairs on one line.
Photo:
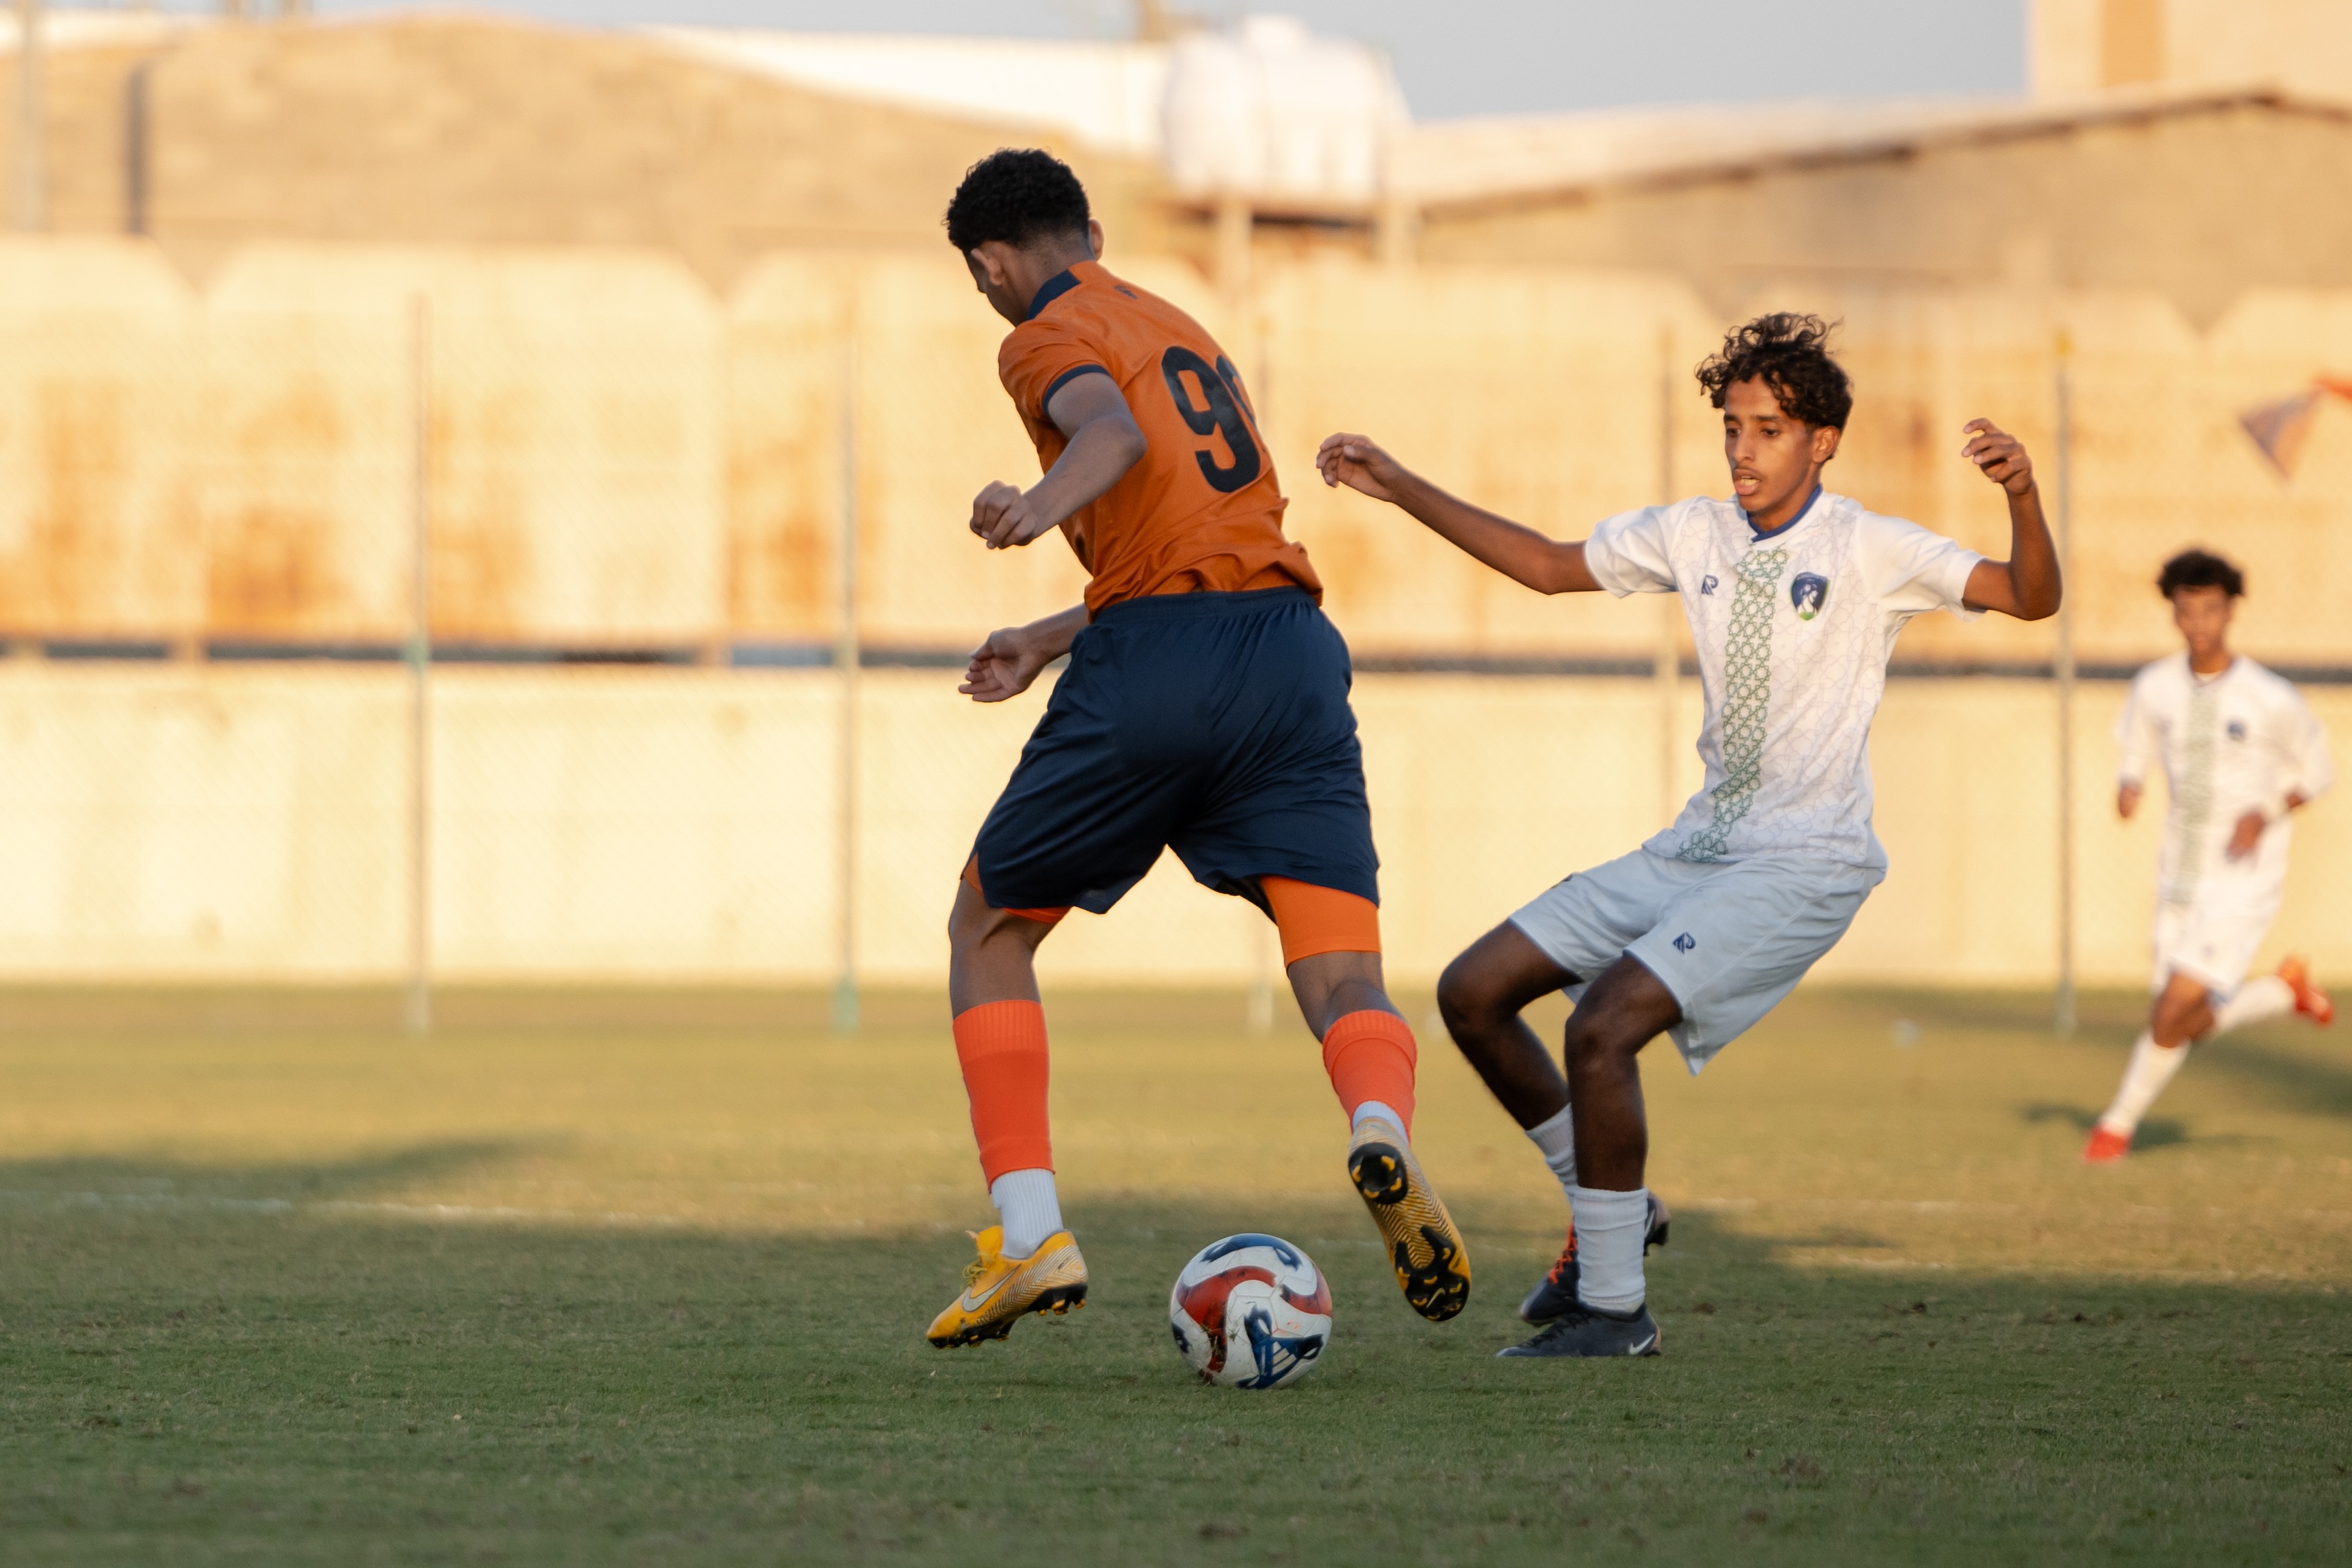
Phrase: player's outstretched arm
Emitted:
{"points": [[1005, 665], [1517, 551], [2026, 585], [1104, 443]]}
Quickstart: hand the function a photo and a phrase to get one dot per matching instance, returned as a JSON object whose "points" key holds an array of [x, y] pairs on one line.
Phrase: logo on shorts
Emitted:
{"points": [[1686, 942], [1708, 584], [1809, 593], [2237, 730]]}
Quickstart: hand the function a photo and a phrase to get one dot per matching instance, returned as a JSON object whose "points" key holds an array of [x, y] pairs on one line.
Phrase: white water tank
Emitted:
{"points": [[1269, 111]]}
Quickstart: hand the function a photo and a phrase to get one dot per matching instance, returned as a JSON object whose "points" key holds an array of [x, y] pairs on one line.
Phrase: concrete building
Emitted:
{"points": [[2302, 47], [436, 129], [2200, 194]]}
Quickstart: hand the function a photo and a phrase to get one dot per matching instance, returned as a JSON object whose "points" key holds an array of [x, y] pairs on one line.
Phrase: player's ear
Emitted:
{"points": [[1095, 237], [987, 262], [1825, 441]]}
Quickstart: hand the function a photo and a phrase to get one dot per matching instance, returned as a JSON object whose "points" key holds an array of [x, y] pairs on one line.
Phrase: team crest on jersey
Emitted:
{"points": [[1808, 593], [2237, 730]]}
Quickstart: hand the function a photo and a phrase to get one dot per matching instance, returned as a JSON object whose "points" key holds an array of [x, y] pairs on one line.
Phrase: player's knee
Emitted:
{"points": [[1594, 1039], [969, 921], [1464, 1001]]}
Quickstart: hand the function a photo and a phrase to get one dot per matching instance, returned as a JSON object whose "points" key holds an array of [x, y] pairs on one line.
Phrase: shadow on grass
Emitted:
{"points": [[2293, 1081], [319, 1384], [2156, 1132], [133, 1181]]}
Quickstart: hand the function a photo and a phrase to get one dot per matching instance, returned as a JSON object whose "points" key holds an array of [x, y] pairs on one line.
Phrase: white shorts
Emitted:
{"points": [[2212, 938], [1729, 938]]}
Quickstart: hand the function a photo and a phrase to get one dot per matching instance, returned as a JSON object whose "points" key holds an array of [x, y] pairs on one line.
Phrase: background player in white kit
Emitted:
{"points": [[2240, 752], [1794, 598]]}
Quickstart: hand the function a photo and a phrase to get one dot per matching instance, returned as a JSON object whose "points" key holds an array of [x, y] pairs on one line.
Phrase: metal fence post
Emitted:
{"points": [[419, 658], [2062, 668], [32, 176], [845, 660]]}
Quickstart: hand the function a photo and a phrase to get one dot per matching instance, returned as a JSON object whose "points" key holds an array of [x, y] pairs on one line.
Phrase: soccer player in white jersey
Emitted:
{"points": [[1794, 597], [2240, 752]]}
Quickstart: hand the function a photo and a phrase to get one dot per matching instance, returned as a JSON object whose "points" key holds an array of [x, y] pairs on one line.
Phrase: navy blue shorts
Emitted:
{"points": [[1215, 725]]}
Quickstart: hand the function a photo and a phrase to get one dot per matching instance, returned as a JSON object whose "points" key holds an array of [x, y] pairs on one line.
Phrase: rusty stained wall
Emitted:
{"points": [[575, 474], [101, 367], [618, 459]]}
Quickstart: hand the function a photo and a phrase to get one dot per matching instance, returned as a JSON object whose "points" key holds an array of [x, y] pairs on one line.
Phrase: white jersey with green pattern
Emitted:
{"points": [[2238, 741], [1793, 630]]}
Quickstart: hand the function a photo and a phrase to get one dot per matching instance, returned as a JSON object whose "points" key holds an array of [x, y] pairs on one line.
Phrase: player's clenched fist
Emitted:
{"points": [[1003, 516], [2001, 454], [1354, 461]]}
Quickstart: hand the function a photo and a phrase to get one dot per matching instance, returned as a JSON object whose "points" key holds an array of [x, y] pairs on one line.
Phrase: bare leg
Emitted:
{"points": [[992, 954], [1481, 996], [1330, 985], [1622, 1011], [2183, 1011]]}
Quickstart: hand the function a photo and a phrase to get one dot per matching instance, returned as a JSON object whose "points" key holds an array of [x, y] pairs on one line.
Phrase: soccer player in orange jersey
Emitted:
{"points": [[1204, 710]]}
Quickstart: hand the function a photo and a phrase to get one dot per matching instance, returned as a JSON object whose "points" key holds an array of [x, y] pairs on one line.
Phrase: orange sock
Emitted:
{"points": [[1371, 1056], [1001, 1046]]}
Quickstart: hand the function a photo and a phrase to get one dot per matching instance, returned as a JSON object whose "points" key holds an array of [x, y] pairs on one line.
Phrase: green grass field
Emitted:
{"points": [[641, 1279]]}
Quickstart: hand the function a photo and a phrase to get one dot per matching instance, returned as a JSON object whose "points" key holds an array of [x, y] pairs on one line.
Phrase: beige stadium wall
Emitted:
{"points": [[613, 457], [178, 823]]}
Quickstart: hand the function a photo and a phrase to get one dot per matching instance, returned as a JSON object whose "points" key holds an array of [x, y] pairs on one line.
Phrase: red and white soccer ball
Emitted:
{"points": [[1251, 1311]]}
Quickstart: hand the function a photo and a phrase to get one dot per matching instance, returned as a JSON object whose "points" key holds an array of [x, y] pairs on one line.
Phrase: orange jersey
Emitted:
{"points": [[1202, 510]]}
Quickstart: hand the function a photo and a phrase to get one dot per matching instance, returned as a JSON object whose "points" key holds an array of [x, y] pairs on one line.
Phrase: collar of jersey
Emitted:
{"points": [[1061, 282], [2217, 678], [1785, 529]]}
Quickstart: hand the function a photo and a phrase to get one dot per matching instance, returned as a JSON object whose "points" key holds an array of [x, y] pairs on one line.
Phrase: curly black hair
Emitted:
{"points": [[2200, 569], [1016, 195], [1789, 353]]}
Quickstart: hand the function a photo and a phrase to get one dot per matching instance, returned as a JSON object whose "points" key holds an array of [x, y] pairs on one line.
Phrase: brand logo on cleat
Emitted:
{"points": [[973, 1303]]}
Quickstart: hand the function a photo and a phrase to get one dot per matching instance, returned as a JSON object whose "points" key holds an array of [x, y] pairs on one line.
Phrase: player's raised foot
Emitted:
{"points": [[1585, 1331], [998, 1290], [2309, 999], [1432, 1265], [1555, 1294], [2105, 1147]]}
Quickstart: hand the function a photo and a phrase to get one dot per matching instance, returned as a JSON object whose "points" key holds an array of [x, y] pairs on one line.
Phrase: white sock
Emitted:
{"points": [[2264, 997], [1556, 1139], [1609, 1230], [1026, 1201], [2152, 1067], [1371, 1108]]}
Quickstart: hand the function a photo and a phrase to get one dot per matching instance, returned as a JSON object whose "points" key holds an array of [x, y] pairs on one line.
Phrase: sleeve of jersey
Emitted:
{"points": [[1628, 553], [2315, 770], [1039, 359], [1916, 571], [2134, 736]]}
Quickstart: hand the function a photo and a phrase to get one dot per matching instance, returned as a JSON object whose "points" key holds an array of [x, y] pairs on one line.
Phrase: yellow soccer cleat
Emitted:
{"points": [[1432, 1265], [997, 1289]]}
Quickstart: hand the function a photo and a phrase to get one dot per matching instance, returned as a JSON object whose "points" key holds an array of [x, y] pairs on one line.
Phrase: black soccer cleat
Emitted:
{"points": [[1587, 1333], [1555, 1294]]}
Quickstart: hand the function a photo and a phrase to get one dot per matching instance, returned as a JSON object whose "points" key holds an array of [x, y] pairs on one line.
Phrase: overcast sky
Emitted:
{"points": [[1486, 57]]}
